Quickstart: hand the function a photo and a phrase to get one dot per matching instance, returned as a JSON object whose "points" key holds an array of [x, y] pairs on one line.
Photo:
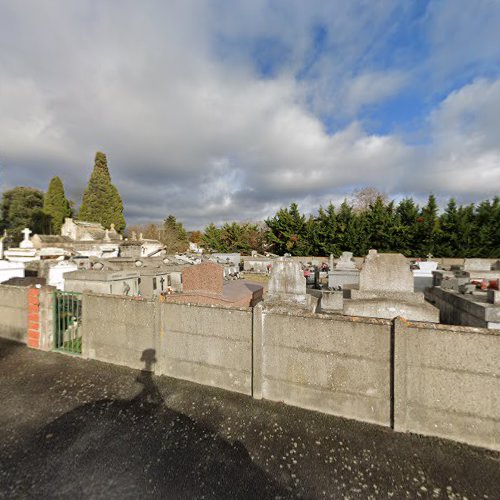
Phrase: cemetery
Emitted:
{"points": [[360, 343]]}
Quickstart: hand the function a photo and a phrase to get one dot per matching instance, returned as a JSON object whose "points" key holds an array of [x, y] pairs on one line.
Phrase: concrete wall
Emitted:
{"points": [[426, 378], [334, 364], [447, 382], [118, 329], [459, 309], [207, 345], [14, 312]]}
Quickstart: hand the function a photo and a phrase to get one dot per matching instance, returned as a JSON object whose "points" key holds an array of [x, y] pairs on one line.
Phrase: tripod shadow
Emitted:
{"points": [[149, 394], [133, 448]]}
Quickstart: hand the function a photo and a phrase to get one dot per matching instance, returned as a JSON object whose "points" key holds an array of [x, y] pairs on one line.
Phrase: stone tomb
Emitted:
{"points": [[10, 270], [204, 284], [386, 290], [481, 269], [345, 274], [422, 276]]}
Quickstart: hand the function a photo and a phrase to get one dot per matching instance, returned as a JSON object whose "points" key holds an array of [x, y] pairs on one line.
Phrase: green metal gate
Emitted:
{"points": [[67, 322]]}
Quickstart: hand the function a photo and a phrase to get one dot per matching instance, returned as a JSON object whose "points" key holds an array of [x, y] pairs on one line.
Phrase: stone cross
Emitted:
{"points": [[26, 243]]}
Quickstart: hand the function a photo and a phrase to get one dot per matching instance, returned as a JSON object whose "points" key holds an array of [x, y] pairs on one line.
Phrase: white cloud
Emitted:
{"points": [[201, 134]]}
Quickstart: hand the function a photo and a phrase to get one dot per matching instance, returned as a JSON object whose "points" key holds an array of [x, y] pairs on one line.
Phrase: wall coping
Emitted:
{"points": [[332, 317], [207, 306], [421, 325]]}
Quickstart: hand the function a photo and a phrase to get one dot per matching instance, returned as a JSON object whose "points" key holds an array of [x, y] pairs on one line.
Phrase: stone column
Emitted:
{"points": [[257, 341]]}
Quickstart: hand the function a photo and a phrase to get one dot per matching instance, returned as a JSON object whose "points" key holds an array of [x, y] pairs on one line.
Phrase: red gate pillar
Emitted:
{"points": [[40, 317]]}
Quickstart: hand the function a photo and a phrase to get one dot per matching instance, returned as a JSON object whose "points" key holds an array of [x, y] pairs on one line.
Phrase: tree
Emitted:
{"points": [[101, 201], [364, 198], [173, 236], [23, 207], [325, 237], [405, 220], [55, 205], [380, 225], [427, 229], [212, 239], [288, 231]]}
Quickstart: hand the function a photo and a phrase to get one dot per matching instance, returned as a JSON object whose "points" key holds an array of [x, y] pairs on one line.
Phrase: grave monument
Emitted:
{"points": [[386, 290]]}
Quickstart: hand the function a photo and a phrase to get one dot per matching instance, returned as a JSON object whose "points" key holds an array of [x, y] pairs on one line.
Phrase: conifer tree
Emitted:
{"points": [[289, 231], [101, 201], [55, 205], [212, 239], [428, 229], [326, 232], [174, 236]]}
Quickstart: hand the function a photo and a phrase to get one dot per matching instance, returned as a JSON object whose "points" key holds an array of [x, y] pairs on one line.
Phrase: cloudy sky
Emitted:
{"points": [[228, 110]]}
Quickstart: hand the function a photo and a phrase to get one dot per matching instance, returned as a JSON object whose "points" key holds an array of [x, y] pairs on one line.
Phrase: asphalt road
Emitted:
{"points": [[71, 428]]}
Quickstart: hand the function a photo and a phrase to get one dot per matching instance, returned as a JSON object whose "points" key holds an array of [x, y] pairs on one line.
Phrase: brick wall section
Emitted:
{"points": [[33, 336]]}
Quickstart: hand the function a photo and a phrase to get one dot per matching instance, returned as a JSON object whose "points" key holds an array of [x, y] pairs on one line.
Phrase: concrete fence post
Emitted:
{"points": [[84, 330], [399, 375], [47, 318], [158, 333], [257, 348]]}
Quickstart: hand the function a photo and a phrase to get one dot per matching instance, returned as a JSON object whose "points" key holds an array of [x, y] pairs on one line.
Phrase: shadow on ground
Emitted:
{"points": [[133, 449]]}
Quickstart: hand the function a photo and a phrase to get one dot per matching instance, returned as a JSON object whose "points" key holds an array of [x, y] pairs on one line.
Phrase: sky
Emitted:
{"points": [[224, 110]]}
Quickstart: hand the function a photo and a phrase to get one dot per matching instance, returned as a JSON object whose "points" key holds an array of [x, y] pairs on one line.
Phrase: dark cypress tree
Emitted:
{"points": [[101, 201], [428, 230], [55, 205], [289, 231], [405, 227], [325, 232], [380, 225]]}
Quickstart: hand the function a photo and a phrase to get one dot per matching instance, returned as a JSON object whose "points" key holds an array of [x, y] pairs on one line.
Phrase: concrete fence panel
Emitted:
{"points": [[447, 382], [333, 364], [14, 312], [207, 345], [118, 329]]}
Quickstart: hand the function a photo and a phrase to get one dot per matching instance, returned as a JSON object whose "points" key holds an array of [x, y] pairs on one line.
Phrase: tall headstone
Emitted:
{"points": [[386, 290], [287, 279], [287, 286], [386, 272]]}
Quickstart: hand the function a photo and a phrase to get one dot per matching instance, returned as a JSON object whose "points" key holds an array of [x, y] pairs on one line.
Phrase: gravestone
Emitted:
{"points": [[287, 286], [26, 243], [345, 273], [423, 277], [345, 262], [386, 291], [477, 265], [386, 272], [287, 279], [207, 277]]}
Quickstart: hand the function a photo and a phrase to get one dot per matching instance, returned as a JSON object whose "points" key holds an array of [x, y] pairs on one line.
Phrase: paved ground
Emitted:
{"points": [[71, 428]]}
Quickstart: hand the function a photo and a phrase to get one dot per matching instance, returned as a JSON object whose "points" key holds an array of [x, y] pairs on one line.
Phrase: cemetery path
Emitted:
{"points": [[72, 428]]}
